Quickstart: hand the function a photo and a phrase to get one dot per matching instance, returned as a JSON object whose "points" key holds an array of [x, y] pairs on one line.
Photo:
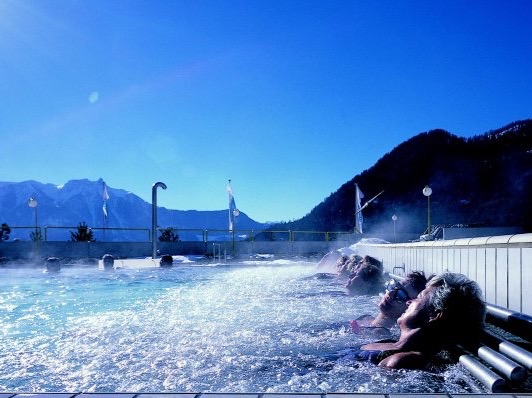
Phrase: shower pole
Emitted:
{"points": [[154, 216]]}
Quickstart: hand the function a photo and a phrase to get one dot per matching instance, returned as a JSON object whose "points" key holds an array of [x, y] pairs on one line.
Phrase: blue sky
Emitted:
{"points": [[288, 99]]}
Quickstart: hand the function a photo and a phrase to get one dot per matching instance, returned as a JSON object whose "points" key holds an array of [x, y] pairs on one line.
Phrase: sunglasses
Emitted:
{"points": [[401, 295]]}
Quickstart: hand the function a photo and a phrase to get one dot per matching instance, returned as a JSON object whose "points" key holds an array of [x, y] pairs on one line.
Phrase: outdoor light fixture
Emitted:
{"points": [[427, 191], [32, 203], [394, 219]]}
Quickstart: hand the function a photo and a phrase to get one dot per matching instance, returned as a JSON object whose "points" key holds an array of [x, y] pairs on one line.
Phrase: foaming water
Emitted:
{"points": [[252, 327]]}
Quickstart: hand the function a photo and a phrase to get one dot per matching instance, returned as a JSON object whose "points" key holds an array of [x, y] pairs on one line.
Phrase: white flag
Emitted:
{"points": [[105, 197], [358, 209], [233, 211]]}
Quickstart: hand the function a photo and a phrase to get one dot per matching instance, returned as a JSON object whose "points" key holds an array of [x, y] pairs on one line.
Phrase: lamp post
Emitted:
{"points": [[32, 203], [427, 191], [154, 216], [394, 219]]}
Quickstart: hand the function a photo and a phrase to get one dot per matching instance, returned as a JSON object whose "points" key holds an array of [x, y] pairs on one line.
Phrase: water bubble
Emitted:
{"points": [[233, 328]]}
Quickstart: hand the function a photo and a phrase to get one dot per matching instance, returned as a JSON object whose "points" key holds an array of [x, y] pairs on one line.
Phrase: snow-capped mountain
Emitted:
{"points": [[82, 201]]}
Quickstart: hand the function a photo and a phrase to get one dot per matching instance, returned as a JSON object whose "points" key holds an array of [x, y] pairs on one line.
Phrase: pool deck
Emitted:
{"points": [[251, 395]]}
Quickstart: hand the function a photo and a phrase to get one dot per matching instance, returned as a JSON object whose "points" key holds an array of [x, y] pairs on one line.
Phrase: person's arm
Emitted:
{"points": [[404, 360]]}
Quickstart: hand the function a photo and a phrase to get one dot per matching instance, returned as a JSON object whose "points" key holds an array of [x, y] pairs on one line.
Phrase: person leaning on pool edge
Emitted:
{"points": [[449, 311], [393, 303], [366, 278]]}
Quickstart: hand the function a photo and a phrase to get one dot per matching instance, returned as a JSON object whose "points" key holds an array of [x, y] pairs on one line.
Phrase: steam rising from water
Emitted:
{"points": [[244, 328]]}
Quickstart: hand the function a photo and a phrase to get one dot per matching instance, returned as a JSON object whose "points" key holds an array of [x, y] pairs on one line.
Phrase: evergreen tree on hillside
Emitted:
{"points": [[485, 180], [168, 235], [4, 232], [83, 234]]}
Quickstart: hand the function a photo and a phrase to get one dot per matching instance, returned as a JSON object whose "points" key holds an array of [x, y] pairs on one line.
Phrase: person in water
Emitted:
{"points": [[346, 265], [367, 277], [449, 311], [393, 303]]}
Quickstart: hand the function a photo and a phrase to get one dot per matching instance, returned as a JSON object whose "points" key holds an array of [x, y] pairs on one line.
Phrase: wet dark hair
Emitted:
{"points": [[342, 260], [372, 278], [461, 300], [417, 279], [370, 273], [373, 261]]}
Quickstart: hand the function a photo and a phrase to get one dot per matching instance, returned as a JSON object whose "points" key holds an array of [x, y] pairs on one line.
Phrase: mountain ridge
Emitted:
{"points": [[483, 180], [82, 201]]}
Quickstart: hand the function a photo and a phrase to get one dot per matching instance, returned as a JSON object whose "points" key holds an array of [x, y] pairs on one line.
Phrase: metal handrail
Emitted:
{"points": [[326, 234], [251, 235], [228, 232], [33, 228], [96, 229]]}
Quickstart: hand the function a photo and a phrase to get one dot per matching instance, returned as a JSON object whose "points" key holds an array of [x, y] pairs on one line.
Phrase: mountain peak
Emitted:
{"points": [[81, 201], [484, 180]]}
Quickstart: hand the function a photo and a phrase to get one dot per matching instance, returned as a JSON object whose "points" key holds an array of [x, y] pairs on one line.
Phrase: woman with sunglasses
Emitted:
{"points": [[449, 311], [392, 304]]}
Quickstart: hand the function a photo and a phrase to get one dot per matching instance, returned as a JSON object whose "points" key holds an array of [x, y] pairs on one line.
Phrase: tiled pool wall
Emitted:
{"points": [[251, 395], [501, 265]]}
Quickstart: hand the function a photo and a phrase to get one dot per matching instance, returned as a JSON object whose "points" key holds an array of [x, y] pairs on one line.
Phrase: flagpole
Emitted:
{"points": [[233, 212], [231, 218], [230, 195], [369, 201], [358, 210], [105, 196]]}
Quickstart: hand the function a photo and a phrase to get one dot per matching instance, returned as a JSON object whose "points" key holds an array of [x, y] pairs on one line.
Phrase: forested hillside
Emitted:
{"points": [[485, 180]]}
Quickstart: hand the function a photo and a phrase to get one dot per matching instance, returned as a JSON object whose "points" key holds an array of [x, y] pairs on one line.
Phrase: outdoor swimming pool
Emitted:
{"points": [[259, 326]]}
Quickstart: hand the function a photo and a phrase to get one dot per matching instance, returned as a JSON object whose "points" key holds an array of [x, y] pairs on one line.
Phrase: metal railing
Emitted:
{"points": [[32, 230], [103, 230], [56, 233]]}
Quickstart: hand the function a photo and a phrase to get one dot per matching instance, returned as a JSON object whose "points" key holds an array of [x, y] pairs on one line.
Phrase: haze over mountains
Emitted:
{"points": [[485, 180]]}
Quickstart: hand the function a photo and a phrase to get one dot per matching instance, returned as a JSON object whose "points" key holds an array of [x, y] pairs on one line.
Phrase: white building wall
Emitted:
{"points": [[501, 265]]}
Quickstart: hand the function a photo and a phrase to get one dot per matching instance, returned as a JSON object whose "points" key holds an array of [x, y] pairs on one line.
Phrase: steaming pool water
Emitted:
{"points": [[256, 326]]}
